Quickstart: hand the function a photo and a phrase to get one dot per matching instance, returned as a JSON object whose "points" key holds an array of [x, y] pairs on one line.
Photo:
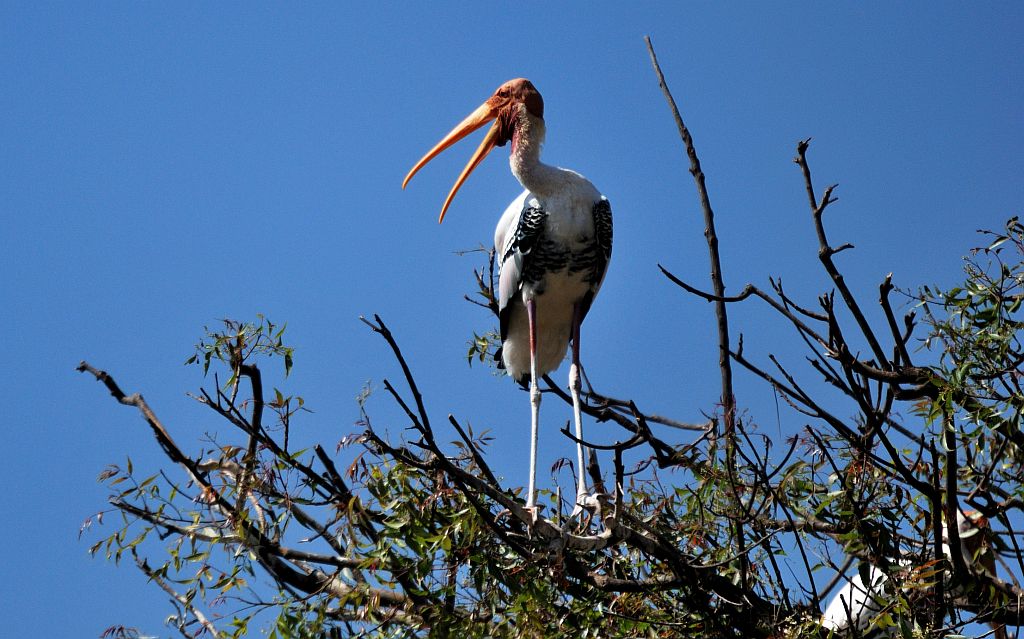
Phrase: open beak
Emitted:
{"points": [[483, 114]]}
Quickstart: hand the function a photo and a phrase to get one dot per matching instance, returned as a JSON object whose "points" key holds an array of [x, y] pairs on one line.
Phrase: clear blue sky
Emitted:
{"points": [[165, 165]]}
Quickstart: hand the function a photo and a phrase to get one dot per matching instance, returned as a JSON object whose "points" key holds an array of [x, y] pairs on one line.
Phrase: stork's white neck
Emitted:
{"points": [[535, 176]]}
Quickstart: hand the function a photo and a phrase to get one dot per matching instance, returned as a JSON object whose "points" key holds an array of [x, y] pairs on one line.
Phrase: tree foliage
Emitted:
{"points": [[710, 529]]}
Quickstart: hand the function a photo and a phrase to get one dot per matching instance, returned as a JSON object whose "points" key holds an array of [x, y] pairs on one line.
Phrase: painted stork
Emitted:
{"points": [[856, 604], [553, 243]]}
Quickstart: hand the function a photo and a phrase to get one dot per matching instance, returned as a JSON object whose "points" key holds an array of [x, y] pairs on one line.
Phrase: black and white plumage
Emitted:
{"points": [[557, 272], [554, 243]]}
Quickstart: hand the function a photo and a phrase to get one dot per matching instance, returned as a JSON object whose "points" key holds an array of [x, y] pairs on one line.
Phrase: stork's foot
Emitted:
{"points": [[532, 514], [586, 503]]}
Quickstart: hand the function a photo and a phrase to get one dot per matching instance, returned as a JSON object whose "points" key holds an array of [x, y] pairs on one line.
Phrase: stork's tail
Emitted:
{"points": [[523, 381]]}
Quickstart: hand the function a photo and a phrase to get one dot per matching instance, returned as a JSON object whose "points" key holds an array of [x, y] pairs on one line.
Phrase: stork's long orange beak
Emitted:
{"points": [[481, 116]]}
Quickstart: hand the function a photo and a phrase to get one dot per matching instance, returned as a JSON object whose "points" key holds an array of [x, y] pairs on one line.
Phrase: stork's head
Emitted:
{"points": [[974, 532], [970, 520], [503, 108]]}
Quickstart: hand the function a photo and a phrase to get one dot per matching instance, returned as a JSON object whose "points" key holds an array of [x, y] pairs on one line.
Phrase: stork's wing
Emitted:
{"points": [[603, 233], [603, 254], [517, 240]]}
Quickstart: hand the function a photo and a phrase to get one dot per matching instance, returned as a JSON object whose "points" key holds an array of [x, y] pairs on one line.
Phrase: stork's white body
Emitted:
{"points": [[857, 603], [570, 222]]}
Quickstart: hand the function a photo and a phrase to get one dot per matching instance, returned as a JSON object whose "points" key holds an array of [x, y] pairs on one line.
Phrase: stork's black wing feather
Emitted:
{"points": [[515, 259], [603, 236]]}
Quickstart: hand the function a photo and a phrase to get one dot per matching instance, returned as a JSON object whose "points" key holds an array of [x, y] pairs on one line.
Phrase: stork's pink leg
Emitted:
{"points": [[574, 387], [531, 314]]}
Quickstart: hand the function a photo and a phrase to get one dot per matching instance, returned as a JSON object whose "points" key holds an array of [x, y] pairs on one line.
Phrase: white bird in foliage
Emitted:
{"points": [[553, 243], [857, 604]]}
